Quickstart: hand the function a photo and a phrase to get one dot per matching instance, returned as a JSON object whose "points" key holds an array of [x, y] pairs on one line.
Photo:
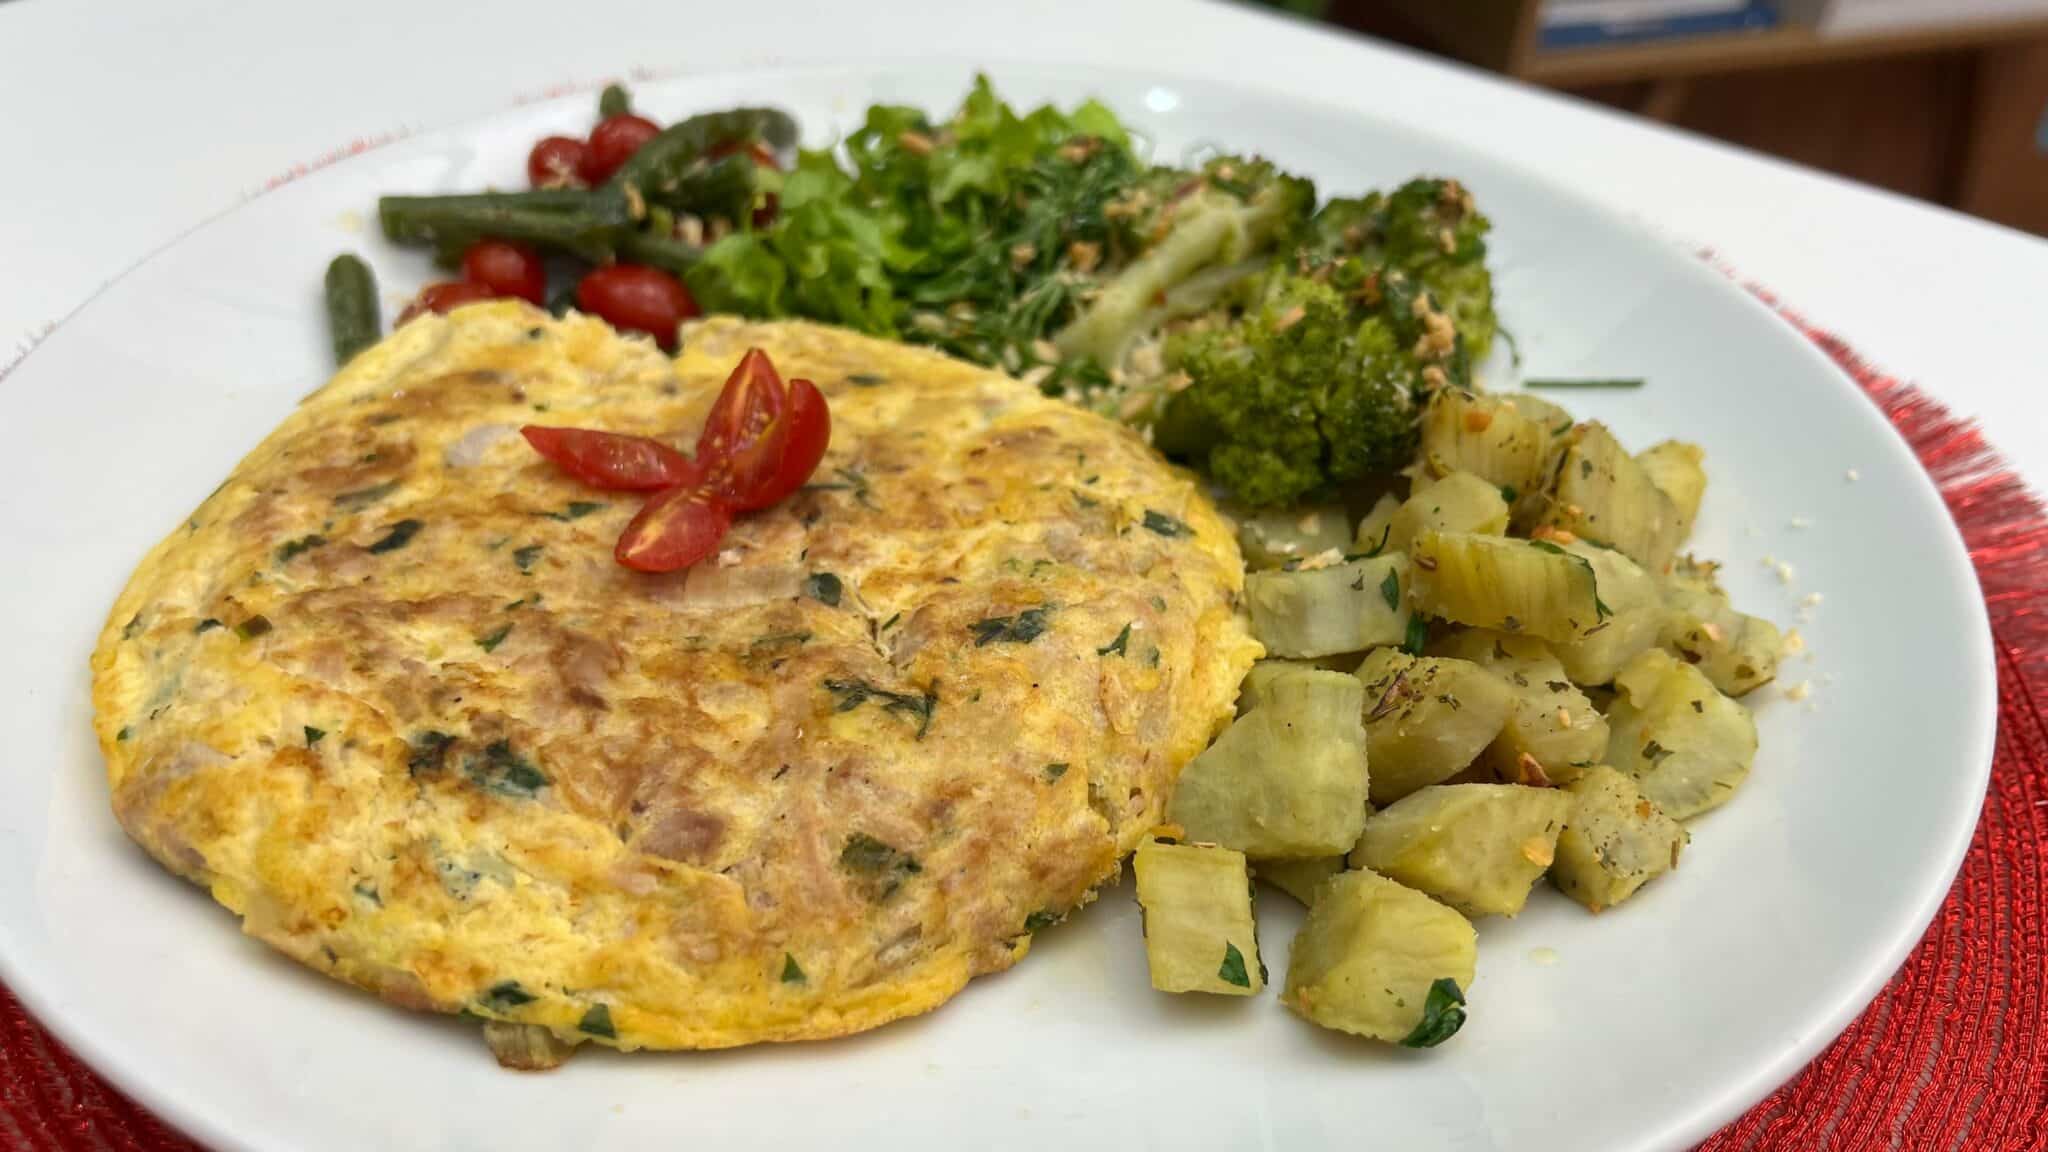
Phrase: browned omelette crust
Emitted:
{"points": [[388, 696]]}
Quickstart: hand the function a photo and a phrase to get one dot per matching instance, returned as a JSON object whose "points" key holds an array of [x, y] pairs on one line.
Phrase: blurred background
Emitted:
{"points": [[1943, 100]]}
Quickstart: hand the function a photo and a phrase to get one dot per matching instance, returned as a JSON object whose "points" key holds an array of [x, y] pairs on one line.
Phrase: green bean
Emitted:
{"points": [[722, 187], [353, 322], [662, 161], [614, 102], [587, 224], [664, 252]]}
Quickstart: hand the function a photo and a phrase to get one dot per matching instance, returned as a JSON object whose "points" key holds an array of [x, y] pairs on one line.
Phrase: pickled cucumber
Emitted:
{"points": [[1286, 779], [1426, 719], [1688, 746], [1601, 494], [1477, 847], [1614, 841], [1675, 468], [1529, 587], [1371, 957], [1197, 903], [1346, 607]]}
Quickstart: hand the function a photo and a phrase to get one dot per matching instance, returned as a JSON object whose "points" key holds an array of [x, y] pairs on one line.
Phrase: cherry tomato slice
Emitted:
{"points": [[676, 528], [746, 433], [557, 162], [636, 298], [810, 432], [444, 297], [613, 461], [507, 269], [613, 142]]}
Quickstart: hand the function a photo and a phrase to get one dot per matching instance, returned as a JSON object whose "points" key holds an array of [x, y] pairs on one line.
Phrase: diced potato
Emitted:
{"points": [[1197, 902], [1460, 502], [1676, 468], [1286, 779], [1426, 719], [1614, 842], [1477, 847], [1272, 537], [1529, 587], [1298, 878], [1370, 956], [1687, 745], [1601, 494], [1553, 731], [1635, 616], [1491, 436], [1738, 652], [1375, 531], [1345, 607], [1260, 678]]}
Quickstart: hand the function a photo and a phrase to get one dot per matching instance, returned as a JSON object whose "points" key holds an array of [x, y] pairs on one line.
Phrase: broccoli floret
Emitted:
{"points": [[1234, 210], [1307, 390], [1430, 231]]}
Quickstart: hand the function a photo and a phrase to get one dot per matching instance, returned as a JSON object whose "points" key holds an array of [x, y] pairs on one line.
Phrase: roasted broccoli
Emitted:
{"points": [[1315, 385], [1428, 230]]}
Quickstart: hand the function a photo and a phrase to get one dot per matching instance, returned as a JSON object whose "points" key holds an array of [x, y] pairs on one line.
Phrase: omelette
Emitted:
{"points": [[387, 696]]}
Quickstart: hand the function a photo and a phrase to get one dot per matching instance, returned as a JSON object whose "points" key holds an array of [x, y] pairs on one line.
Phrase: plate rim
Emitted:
{"points": [[105, 1057]]}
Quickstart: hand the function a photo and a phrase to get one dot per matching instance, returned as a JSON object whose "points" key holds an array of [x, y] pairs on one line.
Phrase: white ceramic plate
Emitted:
{"points": [[1642, 1029]]}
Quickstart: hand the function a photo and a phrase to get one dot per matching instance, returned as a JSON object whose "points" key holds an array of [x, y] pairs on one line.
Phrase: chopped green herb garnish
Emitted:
{"points": [[253, 627], [398, 537], [792, 972], [1165, 525], [865, 379], [1655, 752], [207, 625], [1055, 770], [1022, 628], [489, 641], [882, 867], [1390, 590], [1041, 919], [368, 891], [505, 772], [851, 694], [365, 496], [576, 510], [295, 548], [1584, 382], [1443, 1013], [597, 1021], [823, 587], [1382, 545], [132, 627], [1418, 635], [1508, 493], [429, 752], [1117, 646], [314, 735], [1233, 971], [1600, 606], [506, 995], [779, 640], [123, 735], [524, 557]]}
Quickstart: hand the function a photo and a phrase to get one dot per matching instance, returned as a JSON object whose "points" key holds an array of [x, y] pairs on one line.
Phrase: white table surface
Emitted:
{"points": [[124, 123]]}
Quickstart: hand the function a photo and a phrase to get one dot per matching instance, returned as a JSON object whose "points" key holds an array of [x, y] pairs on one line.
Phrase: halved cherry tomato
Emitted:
{"points": [[557, 162], [507, 270], [637, 298], [810, 431], [444, 297], [676, 528], [613, 461], [746, 433], [613, 142]]}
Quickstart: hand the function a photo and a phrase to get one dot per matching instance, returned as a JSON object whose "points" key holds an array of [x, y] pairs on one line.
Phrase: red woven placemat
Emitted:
{"points": [[1950, 1056]]}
